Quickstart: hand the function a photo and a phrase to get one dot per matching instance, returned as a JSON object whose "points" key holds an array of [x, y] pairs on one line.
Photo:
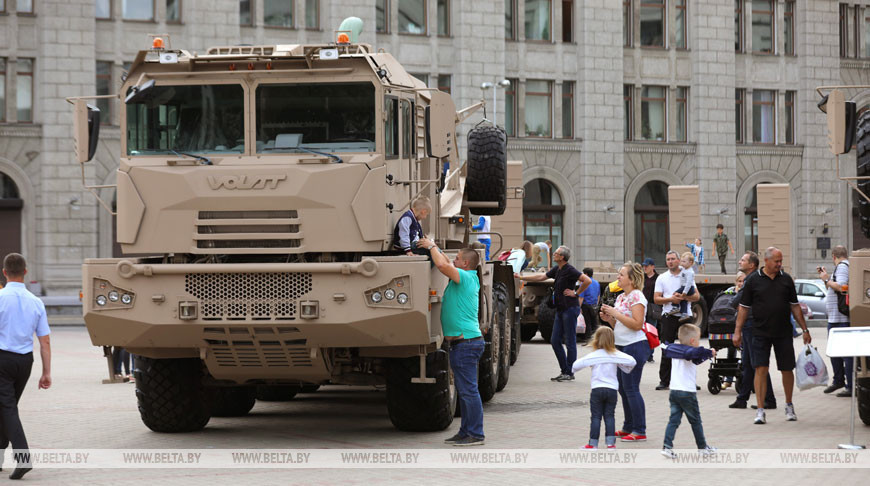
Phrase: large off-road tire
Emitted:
{"points": [[546, 319], [231, 401], [699, 315], [489, 364], [862, 390], [170, 394], [528, 331], [421, 407], [487, 169], [277, 393], [505, 321], [516, 342], [862, 143]]}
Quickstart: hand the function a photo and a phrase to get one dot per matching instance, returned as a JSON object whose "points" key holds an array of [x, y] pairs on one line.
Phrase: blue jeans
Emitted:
{"points": [[464, 357], [629, 388], [565, 331], [747, 384], [486, 243], [684, 402], [602, 403], [842, 366]]}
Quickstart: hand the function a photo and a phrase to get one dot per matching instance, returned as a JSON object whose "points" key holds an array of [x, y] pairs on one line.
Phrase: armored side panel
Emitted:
{"points": [[684, 216], [510, 224]]}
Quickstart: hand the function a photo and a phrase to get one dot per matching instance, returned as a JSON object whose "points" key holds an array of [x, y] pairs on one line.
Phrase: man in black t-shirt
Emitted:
{"points": [[771, 296], [567, 304]]}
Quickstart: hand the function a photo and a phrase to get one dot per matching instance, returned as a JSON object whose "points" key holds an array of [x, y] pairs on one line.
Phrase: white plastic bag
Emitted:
{"points": [[810, 369], [581, 324]]}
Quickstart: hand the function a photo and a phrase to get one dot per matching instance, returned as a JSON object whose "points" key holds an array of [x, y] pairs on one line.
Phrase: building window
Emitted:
{"points": [[412, 17], [538, 20], [567, 21], [137, 10], [422, 77], [762, 26], [627, 91], [312, 14], [539, 108], [104, 85], [652, 23], [382, 16], [651, 231], [543, 212], [750, 221], [653, 102], [510, 22], [844, 30], [24, 88], [510, 109], [568, 109], [788, 28], [739, 113], [103, 9], [866, 52], [246, 12], [680, 27], [444, 81], [24, 6], [444, 18], [738, 25], [789, 116], [278, 13], [173, 11], [627, 24], [763, 116], [2, 89], [682, 102]]}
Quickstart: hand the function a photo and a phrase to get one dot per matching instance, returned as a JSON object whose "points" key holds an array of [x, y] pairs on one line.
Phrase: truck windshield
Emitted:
{"points": [[192, 119], [331, 118]]}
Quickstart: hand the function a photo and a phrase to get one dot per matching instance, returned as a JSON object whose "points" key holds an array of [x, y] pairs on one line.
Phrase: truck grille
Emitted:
{"points": [[241, 231], [247, 296], [257, 347]]}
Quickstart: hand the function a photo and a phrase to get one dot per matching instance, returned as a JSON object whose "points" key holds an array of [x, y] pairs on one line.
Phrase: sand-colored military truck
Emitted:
{"points": [[847, 128], [265, 182]]}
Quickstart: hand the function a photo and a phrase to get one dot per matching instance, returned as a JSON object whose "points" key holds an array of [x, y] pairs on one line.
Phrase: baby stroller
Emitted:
{"points": [[721, 323]]}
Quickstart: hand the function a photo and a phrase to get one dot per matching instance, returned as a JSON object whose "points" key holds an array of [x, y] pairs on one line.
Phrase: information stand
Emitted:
{"points": [[850, 342]]}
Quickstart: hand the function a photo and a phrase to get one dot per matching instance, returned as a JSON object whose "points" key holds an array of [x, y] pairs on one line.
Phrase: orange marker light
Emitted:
{"points": [[157, 43], [343, 38], [250, 66], [232, 67]]}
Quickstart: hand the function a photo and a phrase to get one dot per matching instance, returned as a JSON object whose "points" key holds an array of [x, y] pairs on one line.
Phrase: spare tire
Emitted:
{"points": [[862, 143], [487, 169]]}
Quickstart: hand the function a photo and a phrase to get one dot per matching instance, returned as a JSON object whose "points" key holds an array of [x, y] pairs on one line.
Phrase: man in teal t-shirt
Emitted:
{"points": [[459, 314]]}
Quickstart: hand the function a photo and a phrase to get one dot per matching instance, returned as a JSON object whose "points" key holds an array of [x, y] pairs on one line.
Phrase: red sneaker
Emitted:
{"points": [[589, 446], [612, 446], [633, 438], [622, 433]]}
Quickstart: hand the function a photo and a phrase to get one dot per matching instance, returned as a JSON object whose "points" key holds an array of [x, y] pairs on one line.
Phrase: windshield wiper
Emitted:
{"points": [[202, 158]]}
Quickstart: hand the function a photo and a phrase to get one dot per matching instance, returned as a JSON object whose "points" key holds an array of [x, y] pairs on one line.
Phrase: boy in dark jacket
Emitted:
{"points": [[686, 357]]}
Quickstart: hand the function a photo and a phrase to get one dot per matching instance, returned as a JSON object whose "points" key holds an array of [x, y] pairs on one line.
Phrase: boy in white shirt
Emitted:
{"points": [[686, 357]]}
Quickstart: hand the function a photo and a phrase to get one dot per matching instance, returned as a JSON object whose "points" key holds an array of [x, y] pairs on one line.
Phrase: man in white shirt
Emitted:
{"points": [[666, 296]]}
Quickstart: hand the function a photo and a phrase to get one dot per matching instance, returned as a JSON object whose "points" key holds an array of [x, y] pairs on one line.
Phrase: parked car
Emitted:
{"points": [[812, 293]]}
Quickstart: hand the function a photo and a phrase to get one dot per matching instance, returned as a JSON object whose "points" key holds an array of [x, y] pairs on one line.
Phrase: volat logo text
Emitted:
{"points": [[245, 181]]}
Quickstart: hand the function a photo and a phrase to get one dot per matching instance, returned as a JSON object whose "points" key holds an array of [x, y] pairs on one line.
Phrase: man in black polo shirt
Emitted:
{"points": [[771, 295]]}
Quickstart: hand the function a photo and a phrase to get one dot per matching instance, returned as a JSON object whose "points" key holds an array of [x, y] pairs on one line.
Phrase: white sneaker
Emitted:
{"points": [[760, 418], [669, 453], [789, 412], [708, 451]]}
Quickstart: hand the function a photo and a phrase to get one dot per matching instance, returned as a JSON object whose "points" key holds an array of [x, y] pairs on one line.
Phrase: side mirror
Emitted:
{"points": [[440, 125], [86, 130], [819, 294], [842, 121]]}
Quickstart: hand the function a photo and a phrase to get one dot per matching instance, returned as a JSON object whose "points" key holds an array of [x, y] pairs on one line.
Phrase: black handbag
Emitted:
{"points": [[842, 297]]}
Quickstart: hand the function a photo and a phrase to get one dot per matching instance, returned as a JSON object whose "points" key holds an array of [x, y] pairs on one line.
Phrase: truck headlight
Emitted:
{"points": [[389, 294], [113, 296], [126, 299], [101, 300], [377, 297], [402, 298]]}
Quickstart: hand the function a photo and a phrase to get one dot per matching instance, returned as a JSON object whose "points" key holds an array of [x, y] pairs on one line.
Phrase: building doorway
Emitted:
{"points": [[750, 221], [543, 213], [651, 234], [11, 206]]}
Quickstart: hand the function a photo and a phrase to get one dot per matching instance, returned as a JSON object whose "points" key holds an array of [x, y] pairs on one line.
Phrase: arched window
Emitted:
{"points": [[651, 234], [10, 219], [750, 221], [543, 212]]}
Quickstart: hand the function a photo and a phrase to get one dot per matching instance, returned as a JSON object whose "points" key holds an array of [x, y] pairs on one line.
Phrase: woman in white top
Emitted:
{"points": [[627, 317]]}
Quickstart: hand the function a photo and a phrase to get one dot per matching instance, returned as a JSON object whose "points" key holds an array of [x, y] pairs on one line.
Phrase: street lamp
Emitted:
{"points": [[504, 83]]}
